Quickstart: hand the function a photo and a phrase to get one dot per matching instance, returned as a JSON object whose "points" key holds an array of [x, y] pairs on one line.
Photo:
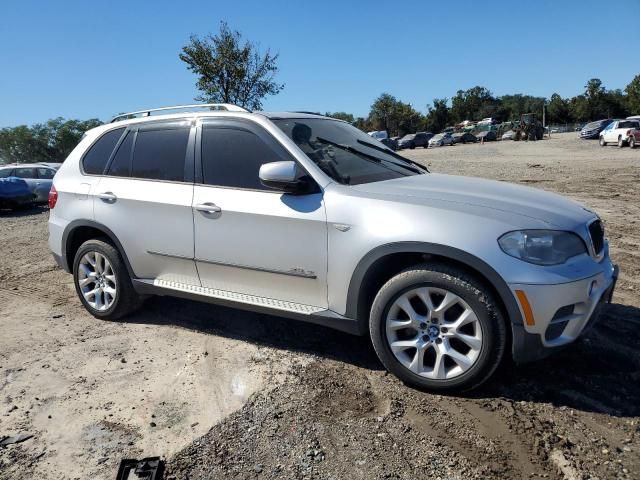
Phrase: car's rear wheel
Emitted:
{"points": [[602, 142], [632, 142], [437, 328], [102, 281]]}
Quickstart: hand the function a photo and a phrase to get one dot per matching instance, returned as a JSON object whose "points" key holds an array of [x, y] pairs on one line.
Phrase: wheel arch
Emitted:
{"points": [[381, 263], [78, 232]]}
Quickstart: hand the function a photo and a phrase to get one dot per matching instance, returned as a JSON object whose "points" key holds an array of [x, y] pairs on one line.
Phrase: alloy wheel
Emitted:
{"points": [[434, 333], [97, 281]]}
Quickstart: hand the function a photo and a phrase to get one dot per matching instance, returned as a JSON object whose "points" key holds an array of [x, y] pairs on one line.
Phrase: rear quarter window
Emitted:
{"points": [[95, 160]]}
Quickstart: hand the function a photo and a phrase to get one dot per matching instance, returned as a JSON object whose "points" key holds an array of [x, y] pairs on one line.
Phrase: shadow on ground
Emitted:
{"points": [[24, 211], [599, 373]]}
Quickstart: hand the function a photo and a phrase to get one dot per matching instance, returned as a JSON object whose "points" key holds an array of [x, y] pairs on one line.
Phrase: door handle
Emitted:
{"points": [[107, 197], [208, 208]]}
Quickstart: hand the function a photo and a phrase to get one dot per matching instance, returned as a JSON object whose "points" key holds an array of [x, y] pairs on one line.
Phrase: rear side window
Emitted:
{"points": [[98, 155], [160, 154], [232, 158], [121, 162], [45, 173]]}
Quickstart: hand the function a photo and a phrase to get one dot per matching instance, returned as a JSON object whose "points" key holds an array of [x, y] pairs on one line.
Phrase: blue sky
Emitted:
{"points": [[82, 59]]}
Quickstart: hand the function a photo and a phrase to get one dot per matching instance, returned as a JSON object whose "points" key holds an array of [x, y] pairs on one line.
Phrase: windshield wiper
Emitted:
{"points": [[365, 155], [395, 155]]}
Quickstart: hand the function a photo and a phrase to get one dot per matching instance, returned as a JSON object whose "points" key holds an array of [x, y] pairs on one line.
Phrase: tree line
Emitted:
{"points": [[43, 142], [596, 102]]}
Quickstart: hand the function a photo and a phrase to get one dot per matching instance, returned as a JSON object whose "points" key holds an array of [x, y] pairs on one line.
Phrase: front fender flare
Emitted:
{"points": [[355, 295]]}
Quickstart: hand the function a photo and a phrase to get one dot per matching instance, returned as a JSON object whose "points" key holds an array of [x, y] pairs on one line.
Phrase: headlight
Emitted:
{"points": [[542, 247]]}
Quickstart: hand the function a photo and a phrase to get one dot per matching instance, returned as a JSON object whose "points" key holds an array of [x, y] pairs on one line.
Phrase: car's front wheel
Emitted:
{"points": [[632, 142], [620, 142], [102, 281], [437, 328], [602, 142]]}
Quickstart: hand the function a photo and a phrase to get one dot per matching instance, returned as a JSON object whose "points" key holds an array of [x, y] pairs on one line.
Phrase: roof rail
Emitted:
{"points": [[213, 106]]}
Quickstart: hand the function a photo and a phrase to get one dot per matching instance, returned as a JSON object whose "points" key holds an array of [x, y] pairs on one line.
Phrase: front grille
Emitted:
{"points": [[596, 230]]}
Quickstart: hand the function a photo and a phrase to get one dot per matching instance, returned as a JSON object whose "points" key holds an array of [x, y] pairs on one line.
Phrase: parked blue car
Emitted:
{"points": [[15, 193]]}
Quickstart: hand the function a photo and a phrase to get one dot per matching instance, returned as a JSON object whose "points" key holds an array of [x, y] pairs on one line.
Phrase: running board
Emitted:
{"points": [[270, 303]]}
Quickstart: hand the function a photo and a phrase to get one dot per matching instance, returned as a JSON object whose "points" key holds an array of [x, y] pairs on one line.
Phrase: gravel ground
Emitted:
{"points": [[228, 394]]}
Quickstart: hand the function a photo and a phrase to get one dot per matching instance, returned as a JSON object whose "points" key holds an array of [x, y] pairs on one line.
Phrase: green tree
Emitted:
{"points": [[437, 118], [230, 71], [633, 95], [347, 117], [51, 141], [558, 110], [395, 117], [473, 104]]}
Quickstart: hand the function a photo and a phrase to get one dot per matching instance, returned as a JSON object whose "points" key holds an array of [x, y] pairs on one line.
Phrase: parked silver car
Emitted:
{"points": [[441, 139], [39, 177], [308, 217]]}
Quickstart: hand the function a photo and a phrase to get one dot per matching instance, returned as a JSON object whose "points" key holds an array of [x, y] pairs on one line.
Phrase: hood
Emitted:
{"points": [[464, 192]]}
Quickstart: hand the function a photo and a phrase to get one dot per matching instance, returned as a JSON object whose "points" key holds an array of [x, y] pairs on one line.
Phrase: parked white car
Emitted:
{"points": [[441, 140], [619, 132], [379, 135]]}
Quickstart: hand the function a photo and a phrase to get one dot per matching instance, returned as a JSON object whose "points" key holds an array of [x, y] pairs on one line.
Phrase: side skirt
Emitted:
{"points": [[252, 303]]}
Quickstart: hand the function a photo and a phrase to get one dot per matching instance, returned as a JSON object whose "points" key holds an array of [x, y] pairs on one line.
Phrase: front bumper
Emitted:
{"points": [[560, 313]]}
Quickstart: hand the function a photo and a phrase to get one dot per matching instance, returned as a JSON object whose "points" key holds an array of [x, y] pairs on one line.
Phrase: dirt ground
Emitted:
{"points": [[228, 394]]}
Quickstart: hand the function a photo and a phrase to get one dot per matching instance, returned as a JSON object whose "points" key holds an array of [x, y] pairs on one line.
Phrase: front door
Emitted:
{"points": [[250, 239]]}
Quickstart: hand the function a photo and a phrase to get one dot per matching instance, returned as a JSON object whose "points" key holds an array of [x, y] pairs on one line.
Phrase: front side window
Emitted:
{"points": [[232, 157], [346, 154], [98, 155], [6, 172], [160, 154]]}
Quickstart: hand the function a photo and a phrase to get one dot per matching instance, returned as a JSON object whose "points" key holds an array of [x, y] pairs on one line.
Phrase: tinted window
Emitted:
{"points": [[232, 158], [25, 173], [46, 173], [160, 154], [628, 124], [122, 160], [96, 158], [5, 172]]}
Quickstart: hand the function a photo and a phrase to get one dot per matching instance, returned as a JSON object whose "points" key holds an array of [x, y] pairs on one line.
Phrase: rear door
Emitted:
{"points": [[250, 239], [145, 199]]}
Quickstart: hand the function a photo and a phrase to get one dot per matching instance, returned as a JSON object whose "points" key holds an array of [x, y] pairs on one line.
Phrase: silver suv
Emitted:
{"points": [[307, 217]]}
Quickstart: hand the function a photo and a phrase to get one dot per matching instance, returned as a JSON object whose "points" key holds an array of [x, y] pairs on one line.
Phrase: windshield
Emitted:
{"points": [[409, 136], [345, 153], [438, 136]]}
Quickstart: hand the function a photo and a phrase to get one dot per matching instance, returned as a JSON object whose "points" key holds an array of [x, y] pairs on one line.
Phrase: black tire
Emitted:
{"points": [[412, 146], [602, 142], [632, 142], [620, 142], [468, 288], [126, 300]]}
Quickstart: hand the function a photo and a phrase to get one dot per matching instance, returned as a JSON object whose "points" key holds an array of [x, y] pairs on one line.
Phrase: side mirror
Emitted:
{"points": [[284, 176]]}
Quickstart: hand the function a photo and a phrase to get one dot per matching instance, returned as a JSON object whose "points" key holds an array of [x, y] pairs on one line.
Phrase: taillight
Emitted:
{"points": [[53, 197]]}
